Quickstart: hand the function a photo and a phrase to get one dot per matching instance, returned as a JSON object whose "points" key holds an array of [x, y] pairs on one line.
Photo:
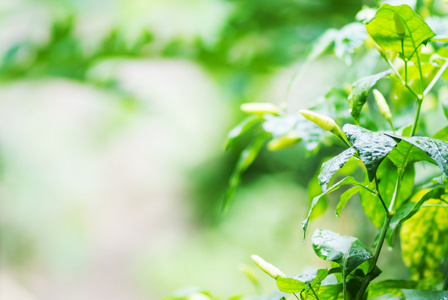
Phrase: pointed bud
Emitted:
{"points": [[288, 140], [382, 105], [266, 267], [260, 108], [399, 25], [324, 122]]}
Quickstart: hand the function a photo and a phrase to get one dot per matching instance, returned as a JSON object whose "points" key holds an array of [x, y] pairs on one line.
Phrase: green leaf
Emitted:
{"points": [[445, 108], [330, 167], [387, 178], [424, 295], [424, 241], [345, 197], [392, 287], [241, 128], [360, 92], [279, 126], [334, 187], [246, 158], [329, 292], [347, 251], [413, 154], [298, 283], [322, 44], [372, 147], [436, 149], [409, 209], [382, 29]]}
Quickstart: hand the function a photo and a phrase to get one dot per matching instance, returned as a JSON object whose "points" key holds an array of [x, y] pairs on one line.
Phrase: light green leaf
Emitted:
{"points": [[445, 108], [345, 197], [424, 242], [330, 167], [347, 251], [360, 92], [245, 160], [382, 29], [391, 287], [348, 39], [387, 175], [298, 283], [372, 147], [409, 209], [241, 128], [436, 149], [322, 44], [440, 38], [334, 187], [425, 295]]}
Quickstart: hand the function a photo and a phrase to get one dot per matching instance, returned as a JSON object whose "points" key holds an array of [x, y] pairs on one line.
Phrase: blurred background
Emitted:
{"points": [[113, 121]]}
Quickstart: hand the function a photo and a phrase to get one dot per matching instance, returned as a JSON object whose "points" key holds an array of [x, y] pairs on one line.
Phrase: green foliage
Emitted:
{"points": [[382, 30], [360, 92], [399, 201]]}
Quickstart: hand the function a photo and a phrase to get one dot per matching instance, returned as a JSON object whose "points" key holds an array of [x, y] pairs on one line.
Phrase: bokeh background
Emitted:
{"points": [[113, 121]]}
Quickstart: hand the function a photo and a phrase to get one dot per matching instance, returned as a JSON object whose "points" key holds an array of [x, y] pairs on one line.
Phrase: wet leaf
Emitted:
{"points": [[330, 167], [382, 29], [298, 283], [347, 180], [436, 149], [372, 147], [347, 251], [360, 92]]}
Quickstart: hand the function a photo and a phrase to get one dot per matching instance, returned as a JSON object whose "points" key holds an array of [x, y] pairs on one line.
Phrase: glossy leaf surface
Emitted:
{"points": [[382, 29], [436, 149], [372, 147], [347, 251], [298, 283], [360, 92], [330, 167]]}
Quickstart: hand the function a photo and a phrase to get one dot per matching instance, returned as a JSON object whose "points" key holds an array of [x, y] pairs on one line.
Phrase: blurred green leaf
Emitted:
{"points": [[424, 294], [391, 287], [246, 158], [348, 39], [424, 240], [242, 128], [382, 29], [360, 92]]}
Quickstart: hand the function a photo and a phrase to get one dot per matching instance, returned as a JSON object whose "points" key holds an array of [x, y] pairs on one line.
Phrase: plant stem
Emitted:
{"points": [[314, 293], [436, 78], [379, 196], [296, 296], [376, 255], [416, 117]]}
